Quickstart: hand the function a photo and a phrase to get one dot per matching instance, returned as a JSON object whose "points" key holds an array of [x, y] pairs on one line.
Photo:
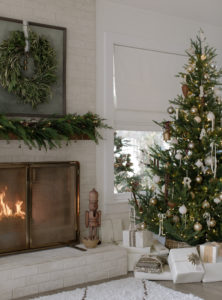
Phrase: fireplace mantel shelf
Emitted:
{"points": [[82, 137]]}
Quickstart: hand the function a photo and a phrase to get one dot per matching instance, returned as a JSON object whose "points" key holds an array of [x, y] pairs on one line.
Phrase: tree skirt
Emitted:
{"points": [[128, 289]]}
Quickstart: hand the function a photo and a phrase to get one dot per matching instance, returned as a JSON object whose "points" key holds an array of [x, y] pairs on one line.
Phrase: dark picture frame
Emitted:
{"points": [[57, 36]]}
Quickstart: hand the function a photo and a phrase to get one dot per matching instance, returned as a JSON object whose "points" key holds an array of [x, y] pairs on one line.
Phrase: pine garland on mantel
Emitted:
{"points": [[49, 132]]}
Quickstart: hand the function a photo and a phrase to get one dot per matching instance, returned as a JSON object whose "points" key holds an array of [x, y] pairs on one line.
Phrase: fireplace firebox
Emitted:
{"points": [[39, 205]]}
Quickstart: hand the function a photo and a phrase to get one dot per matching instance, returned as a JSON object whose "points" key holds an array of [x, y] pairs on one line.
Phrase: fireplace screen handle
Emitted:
{"points": [[33, 175]]}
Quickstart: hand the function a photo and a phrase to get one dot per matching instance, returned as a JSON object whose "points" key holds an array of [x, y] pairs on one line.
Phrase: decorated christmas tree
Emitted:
{"points": [[122, 164], [185, 202]]}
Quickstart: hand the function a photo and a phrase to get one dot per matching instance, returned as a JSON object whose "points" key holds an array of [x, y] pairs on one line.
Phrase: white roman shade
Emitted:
{"points": [[144, 81]]}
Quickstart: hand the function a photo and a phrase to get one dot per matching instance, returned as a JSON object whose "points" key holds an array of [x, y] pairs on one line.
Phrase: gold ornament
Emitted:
{"points": [[166, 135], [170, 110], [176, 219], [203, 57], [192, 195], [199, 179], [197, 226], [153, 201], [193, 110], [205, 204], [212, 223], [142, 226], [208, 171]]}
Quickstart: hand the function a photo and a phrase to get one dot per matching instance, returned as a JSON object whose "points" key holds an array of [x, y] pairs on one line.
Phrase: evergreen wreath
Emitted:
{"points": [[37, 88]]}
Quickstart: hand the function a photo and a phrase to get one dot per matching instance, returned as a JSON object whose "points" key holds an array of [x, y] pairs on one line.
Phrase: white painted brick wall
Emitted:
{"points": [[79, 17], [32, 273]]}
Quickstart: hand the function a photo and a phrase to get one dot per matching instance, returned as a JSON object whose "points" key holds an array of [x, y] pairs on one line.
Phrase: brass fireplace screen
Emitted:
{"points": [[39, 205]]}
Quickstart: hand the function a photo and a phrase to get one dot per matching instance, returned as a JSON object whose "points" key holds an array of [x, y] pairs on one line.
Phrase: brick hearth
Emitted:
{"points": [[37, 272]]}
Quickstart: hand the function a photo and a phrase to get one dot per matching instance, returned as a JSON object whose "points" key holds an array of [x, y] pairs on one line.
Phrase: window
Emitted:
{"points": [[131, 156]]}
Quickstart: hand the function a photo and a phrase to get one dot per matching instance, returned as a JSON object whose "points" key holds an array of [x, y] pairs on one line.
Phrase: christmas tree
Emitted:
{"points": [[122, 165], [185, 202]]}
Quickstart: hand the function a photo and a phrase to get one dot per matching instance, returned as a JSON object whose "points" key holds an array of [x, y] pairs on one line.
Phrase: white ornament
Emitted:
{"points": [[211, 117], [197, 119], [187, 182], [179, 156], [199, 163], [177, 113], [183, 209], [201, 91], [203, 133], [174, 141], [156, 179], [217, 200], [208, 161]]}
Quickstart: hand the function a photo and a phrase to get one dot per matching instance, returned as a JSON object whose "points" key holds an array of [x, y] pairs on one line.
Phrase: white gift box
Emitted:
{"points": [[182, 270], [129, 238], [143, 238], [165, 275], [209, 252], [213, 272]]}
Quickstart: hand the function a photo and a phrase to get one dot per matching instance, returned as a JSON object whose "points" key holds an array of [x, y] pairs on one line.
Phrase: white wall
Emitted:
{"points": [[79, 17], [125, 25]]}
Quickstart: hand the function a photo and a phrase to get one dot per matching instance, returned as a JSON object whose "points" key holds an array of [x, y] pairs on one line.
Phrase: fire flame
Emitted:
{"points": [[6, 211]]}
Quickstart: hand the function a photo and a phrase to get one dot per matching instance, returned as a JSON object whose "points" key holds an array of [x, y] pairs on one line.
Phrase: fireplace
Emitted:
{"points": [[39, 205]]}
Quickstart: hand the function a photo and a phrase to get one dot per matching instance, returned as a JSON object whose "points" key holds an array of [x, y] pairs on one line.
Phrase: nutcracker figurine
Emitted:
{"points": [[93, 217]]}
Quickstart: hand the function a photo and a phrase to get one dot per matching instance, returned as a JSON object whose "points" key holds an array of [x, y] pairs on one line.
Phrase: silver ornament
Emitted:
{"points": [[199, 163], [191, 145], [217, 200], [208, 161], [168, 213], [189, 153]]}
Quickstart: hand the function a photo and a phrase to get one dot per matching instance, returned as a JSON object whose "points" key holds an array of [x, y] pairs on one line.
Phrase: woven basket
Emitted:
{"points": [[171, 244]]}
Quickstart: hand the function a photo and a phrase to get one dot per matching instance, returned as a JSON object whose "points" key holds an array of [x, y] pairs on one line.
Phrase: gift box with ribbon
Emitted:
{"points": [[211, 252], [185, 265], [129, 238]]}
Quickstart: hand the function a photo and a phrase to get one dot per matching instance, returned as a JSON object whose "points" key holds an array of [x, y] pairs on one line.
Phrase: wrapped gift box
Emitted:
{"points": [[183, 271], [210, 252], [165, 275], [213, 271], [143, 238], [129, 238], [140, 238]]}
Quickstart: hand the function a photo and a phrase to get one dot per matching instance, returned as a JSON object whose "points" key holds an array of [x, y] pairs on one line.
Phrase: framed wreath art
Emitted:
{"points": [[32, 68]]}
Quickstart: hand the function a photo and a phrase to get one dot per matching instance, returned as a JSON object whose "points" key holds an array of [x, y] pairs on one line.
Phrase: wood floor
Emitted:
{"points": [[206, 291]]}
